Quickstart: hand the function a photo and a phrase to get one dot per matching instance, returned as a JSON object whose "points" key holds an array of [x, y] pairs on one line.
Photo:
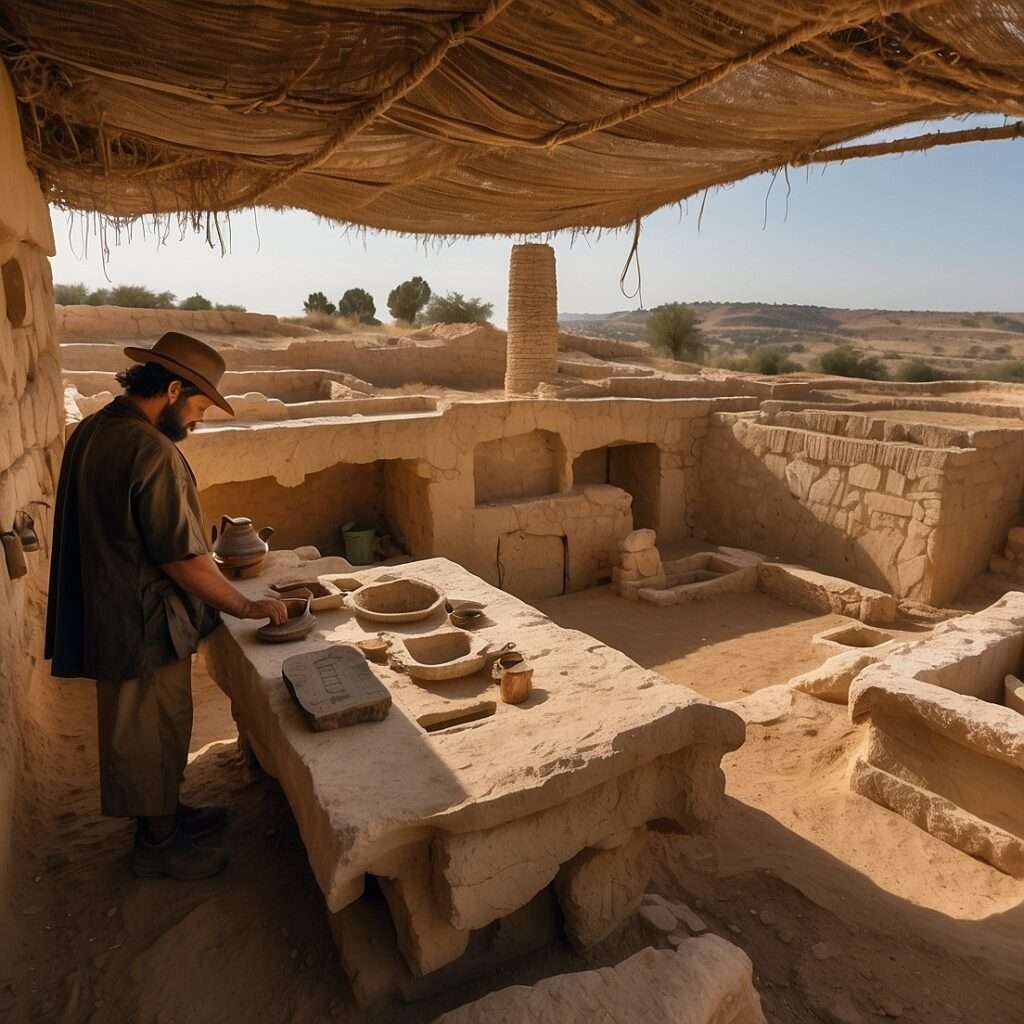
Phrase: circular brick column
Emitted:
{"points": [[532, 348]]}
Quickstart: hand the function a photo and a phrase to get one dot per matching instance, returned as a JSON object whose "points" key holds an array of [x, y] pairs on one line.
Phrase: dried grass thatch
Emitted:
{"points": [[515, 116]]}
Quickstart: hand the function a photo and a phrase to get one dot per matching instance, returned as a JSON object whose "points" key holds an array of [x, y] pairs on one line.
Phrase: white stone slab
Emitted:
{"points": [[361, 792]]}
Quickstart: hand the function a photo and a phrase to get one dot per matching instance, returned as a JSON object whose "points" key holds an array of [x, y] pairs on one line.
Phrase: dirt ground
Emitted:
{"points": [[849, 912], [724, 649]]}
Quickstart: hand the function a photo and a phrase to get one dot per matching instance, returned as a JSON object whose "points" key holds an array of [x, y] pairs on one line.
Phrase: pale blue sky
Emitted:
{"points": [[936, 230]]}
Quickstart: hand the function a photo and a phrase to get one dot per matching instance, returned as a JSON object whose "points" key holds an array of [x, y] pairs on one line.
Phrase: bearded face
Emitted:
{"points": [[177, 421]]}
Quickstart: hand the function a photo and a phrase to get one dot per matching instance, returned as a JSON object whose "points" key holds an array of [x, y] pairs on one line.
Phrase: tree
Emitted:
{"points": [[453, 308], [771, 361], [674, 329], [196, 301], [138, 296], [316, 302], [846, 361], [230, 307], [99, 297], [70, 294], [358, 303], [407, 299]]}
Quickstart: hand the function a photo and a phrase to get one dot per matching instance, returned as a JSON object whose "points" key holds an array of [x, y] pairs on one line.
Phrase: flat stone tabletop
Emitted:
{"points": [[360, 792]]}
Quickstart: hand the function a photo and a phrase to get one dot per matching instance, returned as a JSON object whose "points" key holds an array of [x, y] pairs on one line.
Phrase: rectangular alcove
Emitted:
{"points": [[635, 468], [518, 467], [387, 493]]}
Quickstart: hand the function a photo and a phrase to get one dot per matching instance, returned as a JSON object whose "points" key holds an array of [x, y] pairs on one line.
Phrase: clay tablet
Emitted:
{"points": [[336, 687]]}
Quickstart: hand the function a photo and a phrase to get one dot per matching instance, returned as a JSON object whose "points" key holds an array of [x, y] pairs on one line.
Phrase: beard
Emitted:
{"points": [[171, 423]]}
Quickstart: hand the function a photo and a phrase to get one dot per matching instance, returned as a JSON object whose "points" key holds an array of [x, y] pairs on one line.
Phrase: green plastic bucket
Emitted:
{"points": [[360, 543]]}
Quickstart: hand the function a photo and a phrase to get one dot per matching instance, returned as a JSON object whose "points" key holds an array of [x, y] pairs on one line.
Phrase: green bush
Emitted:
{"points": [[196, 301], [968, 321], [317, 302], [407, 299], [98, 297], [675, 330], [453, 308], [70, 294], [138, 296], [230, 307], [917, 371], [771, 361], [846, 361], [358, 304]]}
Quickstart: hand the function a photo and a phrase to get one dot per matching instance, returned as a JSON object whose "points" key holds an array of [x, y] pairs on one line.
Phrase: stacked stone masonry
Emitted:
{"points": [[31, 440]]}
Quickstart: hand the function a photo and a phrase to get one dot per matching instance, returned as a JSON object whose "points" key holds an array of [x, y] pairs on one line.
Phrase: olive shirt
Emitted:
{"points": [[126, 504]]}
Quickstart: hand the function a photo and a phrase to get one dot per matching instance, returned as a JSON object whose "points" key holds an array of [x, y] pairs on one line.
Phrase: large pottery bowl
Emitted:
{"points": [[402, 600]]}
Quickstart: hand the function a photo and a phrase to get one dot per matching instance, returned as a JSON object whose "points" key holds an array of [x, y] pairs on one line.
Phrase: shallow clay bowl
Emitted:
{"points": [[400, 600], [323, 594], [300, 623]]}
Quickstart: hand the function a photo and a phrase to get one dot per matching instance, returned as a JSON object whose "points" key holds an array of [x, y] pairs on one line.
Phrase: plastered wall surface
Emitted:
{"points": [[915, 521], [436, 480], [31, 438]]}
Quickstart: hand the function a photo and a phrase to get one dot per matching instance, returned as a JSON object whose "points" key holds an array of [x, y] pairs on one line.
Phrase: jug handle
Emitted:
{"points": [[265, 534]]}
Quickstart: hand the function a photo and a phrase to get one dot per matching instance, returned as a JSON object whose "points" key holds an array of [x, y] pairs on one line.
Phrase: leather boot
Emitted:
{"points": [[197, 822], [177, 857]]}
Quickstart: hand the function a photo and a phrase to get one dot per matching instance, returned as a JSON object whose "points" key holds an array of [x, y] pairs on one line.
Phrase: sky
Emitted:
{"points": [[940, 230]]}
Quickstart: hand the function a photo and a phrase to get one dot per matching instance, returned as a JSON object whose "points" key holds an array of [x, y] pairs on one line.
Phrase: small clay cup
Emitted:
{"points": [[375, 648], [516, 683], [466, 618]]}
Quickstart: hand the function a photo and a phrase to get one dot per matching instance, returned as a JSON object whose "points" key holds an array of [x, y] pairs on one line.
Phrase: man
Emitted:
{"points": [[132, 590]]}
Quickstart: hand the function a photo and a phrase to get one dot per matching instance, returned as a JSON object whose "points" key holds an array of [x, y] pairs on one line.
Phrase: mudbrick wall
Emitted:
{"points": [[31, 438], [914, 520]]}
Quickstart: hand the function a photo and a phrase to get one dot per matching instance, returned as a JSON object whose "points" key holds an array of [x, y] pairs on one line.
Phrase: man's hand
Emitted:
{"points": [[268, 608]]}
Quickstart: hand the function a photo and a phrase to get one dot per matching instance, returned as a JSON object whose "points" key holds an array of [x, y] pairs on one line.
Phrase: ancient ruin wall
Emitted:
{"points": [[120, 322], [458, 356], [31, 433], [915, 521]]}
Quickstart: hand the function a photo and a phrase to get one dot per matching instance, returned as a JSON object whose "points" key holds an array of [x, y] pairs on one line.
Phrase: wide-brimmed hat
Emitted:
{"points": [[190, 359]]}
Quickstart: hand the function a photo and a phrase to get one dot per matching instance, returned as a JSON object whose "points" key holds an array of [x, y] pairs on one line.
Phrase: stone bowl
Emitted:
{"points": [[446, 654], [401, 600]]}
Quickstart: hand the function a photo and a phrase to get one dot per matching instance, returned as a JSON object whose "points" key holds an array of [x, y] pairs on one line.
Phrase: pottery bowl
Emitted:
{"points": [[401, 600]]}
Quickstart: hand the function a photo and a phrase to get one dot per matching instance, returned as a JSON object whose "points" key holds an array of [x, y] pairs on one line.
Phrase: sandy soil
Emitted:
{"points": [[724, 648], [833, 897]]}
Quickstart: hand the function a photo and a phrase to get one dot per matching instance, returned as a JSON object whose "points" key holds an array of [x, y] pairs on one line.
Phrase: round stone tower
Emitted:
{"points": [[532, 348]]}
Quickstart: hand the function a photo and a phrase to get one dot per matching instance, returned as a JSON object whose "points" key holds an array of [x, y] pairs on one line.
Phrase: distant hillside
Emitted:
{"points": [[949, 340]]}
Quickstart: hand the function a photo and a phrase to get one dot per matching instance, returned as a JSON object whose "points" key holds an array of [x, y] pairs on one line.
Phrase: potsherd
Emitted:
{"points": [[335, 687]]}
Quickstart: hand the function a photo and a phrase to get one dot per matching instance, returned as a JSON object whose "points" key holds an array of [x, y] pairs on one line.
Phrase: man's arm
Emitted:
{"points": [[200, 576]]}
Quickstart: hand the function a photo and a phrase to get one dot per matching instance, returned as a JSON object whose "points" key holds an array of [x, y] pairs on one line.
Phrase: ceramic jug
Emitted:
{"points": [[239, 538]]}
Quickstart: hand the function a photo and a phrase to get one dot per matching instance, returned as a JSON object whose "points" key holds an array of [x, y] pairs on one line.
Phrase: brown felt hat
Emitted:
{"points": [[191, 359]]}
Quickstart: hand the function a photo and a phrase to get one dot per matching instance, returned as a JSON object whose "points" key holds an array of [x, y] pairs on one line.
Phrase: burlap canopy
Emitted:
{"points": [[513, 116]]}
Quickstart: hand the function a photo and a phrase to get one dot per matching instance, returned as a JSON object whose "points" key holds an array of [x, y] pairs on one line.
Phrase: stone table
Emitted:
{"points": [[464, 825]]}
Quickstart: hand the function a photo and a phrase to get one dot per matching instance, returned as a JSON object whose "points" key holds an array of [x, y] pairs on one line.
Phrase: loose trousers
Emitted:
{"points": [[145, 727]]}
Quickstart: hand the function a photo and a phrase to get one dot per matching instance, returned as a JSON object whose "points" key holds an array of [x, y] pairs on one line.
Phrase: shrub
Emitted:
{"points": [[196, 301], [407, 299], [99, 297], [917, 371], [737, 363], [453, 308], [846, 361], [358, 304], [317, 302], [771, 361], [70, 294], [675, 330], [968, 321], [138, 296], [230, 307]]}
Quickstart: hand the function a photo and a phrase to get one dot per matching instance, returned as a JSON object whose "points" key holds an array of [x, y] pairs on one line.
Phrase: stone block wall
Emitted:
{"points": [[917, 522], [31, 439]]}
